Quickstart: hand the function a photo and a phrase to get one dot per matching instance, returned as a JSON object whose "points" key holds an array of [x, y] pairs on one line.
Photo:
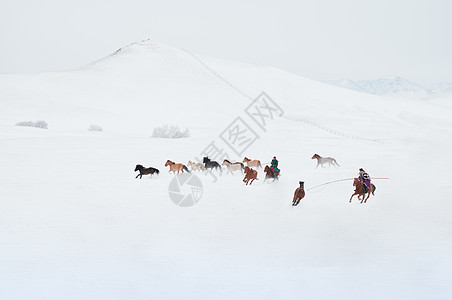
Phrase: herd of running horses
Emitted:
{"points": [[249, 168]]}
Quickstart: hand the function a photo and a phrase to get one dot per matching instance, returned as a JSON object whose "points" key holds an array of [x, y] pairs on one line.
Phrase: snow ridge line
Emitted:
{"points": [[218, 75], [290, 118]]}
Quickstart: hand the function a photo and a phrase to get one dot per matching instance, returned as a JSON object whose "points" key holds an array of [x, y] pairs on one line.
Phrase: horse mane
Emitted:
{"points": [[227, 161]]}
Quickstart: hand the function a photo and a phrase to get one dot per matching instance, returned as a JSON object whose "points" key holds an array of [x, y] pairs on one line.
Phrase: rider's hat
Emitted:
{"points": [[361, 169]]}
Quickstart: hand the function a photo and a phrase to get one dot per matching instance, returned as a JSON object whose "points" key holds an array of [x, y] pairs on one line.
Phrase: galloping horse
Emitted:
{"points": [[233, 166], [324, 160], [210, 164], [252, 163], [145, 171], [250, 174], [176, 167], [299, 194], [360, 190], [196, 166], [269, 174]]}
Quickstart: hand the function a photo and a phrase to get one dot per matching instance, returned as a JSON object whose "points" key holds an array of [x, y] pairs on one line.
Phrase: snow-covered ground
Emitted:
{"points": [[76, 224]]}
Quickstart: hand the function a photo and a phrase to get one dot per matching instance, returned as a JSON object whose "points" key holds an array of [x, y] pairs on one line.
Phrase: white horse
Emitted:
{"points": [[233, 166], [196, 166], [324, 160]]}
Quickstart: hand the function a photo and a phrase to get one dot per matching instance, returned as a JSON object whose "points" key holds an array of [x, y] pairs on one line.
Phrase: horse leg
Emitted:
{"points": [[368, 195], [352, 197], [317, 164], [361, 195], [137, 176]]}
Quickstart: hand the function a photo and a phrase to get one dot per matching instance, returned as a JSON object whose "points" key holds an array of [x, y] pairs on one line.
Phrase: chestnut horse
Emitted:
{"points": [[252, 163], [176, 167], [269, 174], [360, 190], [324, 160], [145, 171], [250, 174], [299, 194]]}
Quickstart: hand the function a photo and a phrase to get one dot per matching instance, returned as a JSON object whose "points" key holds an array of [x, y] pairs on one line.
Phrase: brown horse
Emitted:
{"points": [[269, 174], [250, 174], [299, 194], [145, 171], [176, 167], [252, 163], [359, 190], [324, 160]]}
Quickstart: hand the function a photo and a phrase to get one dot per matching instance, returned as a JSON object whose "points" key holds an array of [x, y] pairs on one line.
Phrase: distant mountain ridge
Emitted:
{"points": [[393, 86]]}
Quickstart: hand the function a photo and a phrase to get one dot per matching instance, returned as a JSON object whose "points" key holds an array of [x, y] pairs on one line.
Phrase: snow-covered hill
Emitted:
{"points": [[394, 86], [76, 224]]}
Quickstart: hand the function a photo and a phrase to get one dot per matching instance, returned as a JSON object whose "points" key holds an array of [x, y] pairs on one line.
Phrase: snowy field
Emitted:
{"points": [[76, 224]]}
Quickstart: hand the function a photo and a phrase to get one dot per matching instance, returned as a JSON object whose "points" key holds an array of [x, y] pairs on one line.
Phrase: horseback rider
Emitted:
{"points": [[364, 178], [274, 166]]}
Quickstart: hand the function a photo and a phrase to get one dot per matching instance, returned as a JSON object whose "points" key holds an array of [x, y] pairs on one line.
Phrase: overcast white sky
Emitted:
{"points": [[317, 39]]}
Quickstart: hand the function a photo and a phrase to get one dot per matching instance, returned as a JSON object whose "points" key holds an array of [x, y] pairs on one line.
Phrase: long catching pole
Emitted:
{"points": [[341, 180]]}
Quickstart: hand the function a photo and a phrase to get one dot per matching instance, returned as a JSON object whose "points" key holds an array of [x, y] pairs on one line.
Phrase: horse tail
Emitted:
{"points": [[243, 166], [336, 162], [157, 171], [185, 168], [373, 189], [259, 164]]}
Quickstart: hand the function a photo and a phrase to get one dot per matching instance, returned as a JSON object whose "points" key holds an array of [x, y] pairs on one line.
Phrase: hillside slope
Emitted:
{"points": [[75, 223]]}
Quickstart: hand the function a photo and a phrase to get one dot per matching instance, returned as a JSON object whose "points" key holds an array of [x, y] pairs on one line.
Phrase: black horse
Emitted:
{"points": [[210, 164], [145, 171]]}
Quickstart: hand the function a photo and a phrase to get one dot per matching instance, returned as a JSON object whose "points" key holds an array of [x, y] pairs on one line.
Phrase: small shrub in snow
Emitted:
{"points": [[170, 132], [38, 124], [94, 127]]}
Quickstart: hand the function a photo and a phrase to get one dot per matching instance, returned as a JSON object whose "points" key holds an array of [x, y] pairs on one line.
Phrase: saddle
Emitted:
{"points": [[275, 171]]}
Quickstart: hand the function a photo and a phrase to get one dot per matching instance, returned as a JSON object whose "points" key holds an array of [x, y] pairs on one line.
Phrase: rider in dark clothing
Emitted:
{"points": [[274, 166], [364, 178]]}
